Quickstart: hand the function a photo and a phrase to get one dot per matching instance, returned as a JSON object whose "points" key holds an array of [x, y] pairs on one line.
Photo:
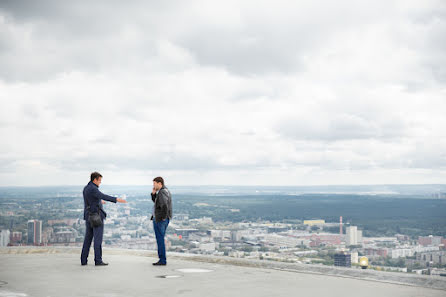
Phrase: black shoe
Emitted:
{"points": [[101, 264], [159, 264], [83, 264]]}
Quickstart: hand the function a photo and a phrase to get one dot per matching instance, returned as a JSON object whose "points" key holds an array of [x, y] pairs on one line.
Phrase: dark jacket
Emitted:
{"points": [[163, 205], [93, 197]]}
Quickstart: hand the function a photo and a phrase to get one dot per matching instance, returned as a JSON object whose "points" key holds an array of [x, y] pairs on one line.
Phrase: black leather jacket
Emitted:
{"points": [[163, 204]]}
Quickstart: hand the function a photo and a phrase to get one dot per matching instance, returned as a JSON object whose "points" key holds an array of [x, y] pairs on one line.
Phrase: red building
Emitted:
{"points": [[376, 252], [430, 240], [16, 237], [326, 239]]}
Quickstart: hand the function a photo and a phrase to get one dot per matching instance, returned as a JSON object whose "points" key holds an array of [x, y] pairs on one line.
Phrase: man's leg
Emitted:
{"points": [[87, 243], [161, 245], [156, 228], [166, 223], [98, 233]]}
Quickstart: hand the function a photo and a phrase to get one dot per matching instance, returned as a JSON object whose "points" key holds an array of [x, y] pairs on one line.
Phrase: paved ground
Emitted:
{"points": [[133, 275]]}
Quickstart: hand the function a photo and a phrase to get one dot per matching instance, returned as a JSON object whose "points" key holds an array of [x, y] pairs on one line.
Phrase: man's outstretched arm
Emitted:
{"points": [[101, 196]]}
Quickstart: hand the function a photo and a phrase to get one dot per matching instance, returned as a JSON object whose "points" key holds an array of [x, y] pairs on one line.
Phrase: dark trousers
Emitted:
{"points": [[160, 232], [90, 233]]}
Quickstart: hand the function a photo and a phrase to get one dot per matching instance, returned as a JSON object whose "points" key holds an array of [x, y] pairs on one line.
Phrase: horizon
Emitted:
{"points": [[421, 191], [227, 185]]}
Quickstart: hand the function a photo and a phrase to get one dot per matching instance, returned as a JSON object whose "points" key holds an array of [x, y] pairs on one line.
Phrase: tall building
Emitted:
{"points": [[343, 260], [4, 237], [236, 236], [34, 232], [353, 236]]}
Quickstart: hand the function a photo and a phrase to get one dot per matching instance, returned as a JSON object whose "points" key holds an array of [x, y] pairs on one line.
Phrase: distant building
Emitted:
{"points": [[236, 236], [208, 246], [401, 253], [68, 222], [436, 257], [220, 234], [314, 222], [381, 252], [422, 249], [277, 229], [325, 239], [185, 233], [284, 241], [343, 259], [429, 240], [64, 235], [340, 225], [436, 271], [34, 232], [200, 237], [4, 237], [353, 236], [402, 237], [181, 217], [354, 257], [203, 220], [16, 237]]}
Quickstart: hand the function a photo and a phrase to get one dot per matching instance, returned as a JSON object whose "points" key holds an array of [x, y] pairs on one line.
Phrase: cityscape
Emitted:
{"points": [[197, 227]]}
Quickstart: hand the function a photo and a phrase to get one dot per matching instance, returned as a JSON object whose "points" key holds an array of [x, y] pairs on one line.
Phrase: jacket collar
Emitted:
{"points": [[163, 187], [92, 183]]}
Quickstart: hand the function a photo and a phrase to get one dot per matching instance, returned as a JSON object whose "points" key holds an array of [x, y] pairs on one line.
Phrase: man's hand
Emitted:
{"points": [[120, 200], [153, 191], [102, 201]]}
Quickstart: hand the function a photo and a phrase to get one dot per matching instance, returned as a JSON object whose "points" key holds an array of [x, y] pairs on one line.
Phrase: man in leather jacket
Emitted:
{"points": [[161, 215]]}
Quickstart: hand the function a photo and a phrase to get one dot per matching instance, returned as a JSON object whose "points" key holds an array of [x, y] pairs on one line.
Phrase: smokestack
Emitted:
{"points": [[340, 225]]}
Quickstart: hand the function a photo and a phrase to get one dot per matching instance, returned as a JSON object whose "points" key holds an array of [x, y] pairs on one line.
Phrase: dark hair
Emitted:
{"points": [[95, 175], [159, 179]]}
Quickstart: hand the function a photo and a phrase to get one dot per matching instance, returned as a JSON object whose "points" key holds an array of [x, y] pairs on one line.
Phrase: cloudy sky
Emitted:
{"points": [[228, 92]]}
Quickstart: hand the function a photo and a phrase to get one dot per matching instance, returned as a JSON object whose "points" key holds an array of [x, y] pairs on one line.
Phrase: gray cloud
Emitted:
{"points": [[41, 40], [234, 92], [341, 127]]}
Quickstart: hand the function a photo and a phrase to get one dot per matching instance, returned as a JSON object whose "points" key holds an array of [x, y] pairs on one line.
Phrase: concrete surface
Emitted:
{"points": [[55, 273]]}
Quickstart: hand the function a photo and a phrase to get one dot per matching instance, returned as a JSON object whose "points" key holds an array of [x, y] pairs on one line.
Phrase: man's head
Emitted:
{"points": [[158, 183], [96, 178]]}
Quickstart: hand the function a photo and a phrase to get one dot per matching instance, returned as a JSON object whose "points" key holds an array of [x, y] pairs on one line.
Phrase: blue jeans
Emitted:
{"points": [[90, 233], [160, 232]]}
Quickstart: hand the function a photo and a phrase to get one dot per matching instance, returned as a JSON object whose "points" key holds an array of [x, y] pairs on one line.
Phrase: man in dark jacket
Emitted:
{"points": [[161, 215], [93, 200]]}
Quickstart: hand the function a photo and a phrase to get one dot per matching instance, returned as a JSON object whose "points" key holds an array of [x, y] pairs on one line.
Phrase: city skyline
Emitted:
{"points": [[329, 229]]}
